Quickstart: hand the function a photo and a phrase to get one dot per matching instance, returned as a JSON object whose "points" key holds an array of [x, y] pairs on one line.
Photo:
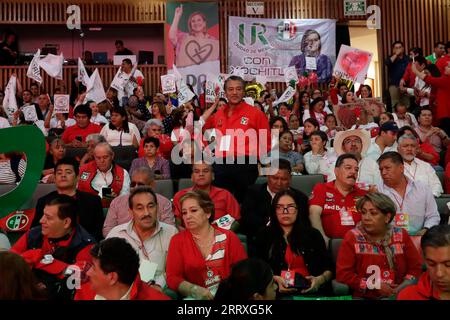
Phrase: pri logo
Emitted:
{"points": [[17, 222], [287, 31]]}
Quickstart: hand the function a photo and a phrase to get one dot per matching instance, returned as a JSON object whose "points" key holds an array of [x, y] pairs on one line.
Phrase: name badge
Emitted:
{"points": [[401, 220], [346, 218], [225, 222], [147, 270], [289, 277]]}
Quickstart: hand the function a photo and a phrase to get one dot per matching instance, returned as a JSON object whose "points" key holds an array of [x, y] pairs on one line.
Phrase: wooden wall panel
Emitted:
{"points": [[416, 22]]}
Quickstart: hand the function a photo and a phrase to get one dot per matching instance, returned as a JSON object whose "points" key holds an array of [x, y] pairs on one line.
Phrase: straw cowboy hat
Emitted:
{"points": [[364, 135]]}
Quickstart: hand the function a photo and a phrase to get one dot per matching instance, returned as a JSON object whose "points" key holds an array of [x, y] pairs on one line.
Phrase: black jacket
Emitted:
{"points": [[255, 210], [90, 213]]}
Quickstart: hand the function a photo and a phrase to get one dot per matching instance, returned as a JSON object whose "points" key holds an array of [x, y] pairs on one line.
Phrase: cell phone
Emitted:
{"points": [[300, 282], [106, 192], [79, 138]]}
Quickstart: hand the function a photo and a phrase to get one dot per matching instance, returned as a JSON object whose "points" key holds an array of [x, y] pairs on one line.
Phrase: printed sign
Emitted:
{"points": [[352, 64], [62, 103]]}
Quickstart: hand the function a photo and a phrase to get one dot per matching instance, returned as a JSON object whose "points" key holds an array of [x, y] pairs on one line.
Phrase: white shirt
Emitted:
{"points": [[368, 127], [422, 171], [320, 164], [374, 150], [404, 122], [126, 296], [121, 138], [154, 249], [4, 123], [418, 203], [129, 86], [99, 119], [54, 123], [102, 180]]}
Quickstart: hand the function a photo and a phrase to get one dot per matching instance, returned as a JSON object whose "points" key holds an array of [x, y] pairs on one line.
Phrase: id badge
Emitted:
{"points": [[289, 277], [401, 220], [147, 270], [387, 276], [225, 222], [346, 218]]}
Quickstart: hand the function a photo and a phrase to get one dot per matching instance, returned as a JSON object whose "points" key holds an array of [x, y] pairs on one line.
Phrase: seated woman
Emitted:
{"points": [[157, 164], [159, 112], [154, 128], [120, 132], [56, 152], [291, 246], [287, 152], [319, 160], [303, 143], [316, 111], [377, 248], [12, 168], [250, 279], [201, 256]]}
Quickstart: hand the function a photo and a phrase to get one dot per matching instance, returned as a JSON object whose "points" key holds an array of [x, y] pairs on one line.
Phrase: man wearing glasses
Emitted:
{"points": [[118, 210]]}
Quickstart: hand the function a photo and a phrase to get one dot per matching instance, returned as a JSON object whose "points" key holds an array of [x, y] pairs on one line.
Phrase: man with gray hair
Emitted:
{"points": [[416, 169], [118, 210], [91, 140]]}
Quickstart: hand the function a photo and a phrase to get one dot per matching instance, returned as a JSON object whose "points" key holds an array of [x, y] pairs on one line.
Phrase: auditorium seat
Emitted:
{"points": [[76, 153], [443, 209], [339, 289], [184, 184], [306, 183], [41, 190], [165, 188], [124, 155]]}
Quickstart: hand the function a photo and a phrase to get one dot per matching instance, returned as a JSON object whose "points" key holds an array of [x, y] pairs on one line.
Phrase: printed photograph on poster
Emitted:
{"points": [[192, 30], [168, 84], [352, 64], [62, 103], [29, 113], [265, 47]]}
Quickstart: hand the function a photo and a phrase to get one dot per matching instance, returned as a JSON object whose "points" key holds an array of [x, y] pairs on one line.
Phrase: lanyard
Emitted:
{"points": [[400, 204], [415, 171]]}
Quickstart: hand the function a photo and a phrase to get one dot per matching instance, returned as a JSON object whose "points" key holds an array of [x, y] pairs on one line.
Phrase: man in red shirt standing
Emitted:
{"points": [[75, 135], [243, 136], [332, 208], [224, 202]]}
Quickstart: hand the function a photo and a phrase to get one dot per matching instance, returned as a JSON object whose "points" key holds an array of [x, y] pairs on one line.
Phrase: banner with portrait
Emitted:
{"points": [[266, 47], [192, 33]]}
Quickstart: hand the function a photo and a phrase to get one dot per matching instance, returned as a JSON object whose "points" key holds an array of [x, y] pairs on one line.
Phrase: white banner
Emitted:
{"points": [[10, 101], [184, 93], [95, 90], [82, 74], [265, 47], [34, 71], [53, 65], [352, 64], [62, 103], [168, 84]]}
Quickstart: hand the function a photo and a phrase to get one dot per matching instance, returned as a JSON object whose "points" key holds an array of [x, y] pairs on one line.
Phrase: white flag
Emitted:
{"points": [[177, 73], [288, 94], [119, 81], [34, 71], [53, 65], [95, 90], [82, 74], [184, 93], [10, 101]]}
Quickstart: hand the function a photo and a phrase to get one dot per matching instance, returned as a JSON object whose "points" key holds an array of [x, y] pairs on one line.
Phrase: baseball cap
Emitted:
{"points": [[389, 126]]}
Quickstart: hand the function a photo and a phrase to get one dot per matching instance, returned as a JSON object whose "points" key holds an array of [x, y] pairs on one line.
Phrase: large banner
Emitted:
{"points": [[192, 33], [265, 47]]}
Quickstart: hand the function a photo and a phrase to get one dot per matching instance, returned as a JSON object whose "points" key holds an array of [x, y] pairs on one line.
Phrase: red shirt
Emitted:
{"points": [[186, 263], [356, 254], [428, 148], [339, 213], [73, 131], [409, 76], [164, 150], [224, 203], [243, 117], [442, 96], [295, 262], [423, 290]]}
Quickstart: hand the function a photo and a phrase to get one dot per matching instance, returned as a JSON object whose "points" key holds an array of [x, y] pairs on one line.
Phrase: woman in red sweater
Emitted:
{"points": [[202, 255], [375, 259]]}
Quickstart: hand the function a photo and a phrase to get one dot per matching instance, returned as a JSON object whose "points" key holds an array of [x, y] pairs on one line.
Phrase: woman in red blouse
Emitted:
{"points": [[202, 255], [375, 259]]}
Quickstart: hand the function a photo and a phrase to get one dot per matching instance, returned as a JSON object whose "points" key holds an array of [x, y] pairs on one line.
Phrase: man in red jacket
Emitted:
{"points": [[114, 274], [434, 284]]}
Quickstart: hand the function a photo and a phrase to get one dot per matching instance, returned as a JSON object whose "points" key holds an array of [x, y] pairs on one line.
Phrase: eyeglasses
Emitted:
{"points": [[350, 141], [134, 184], [290, 209]]}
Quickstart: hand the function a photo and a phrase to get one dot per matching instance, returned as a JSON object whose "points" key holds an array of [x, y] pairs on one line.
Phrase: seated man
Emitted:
{"points": [[416, 169], [148, 236], [56, 244], [224, 202], [258, 201], [416, 207], [434, 284], [332, 208], [357, 142], [114, 274], [75, 135], [118, 209], [90, 212], [103, 175], [384, 142]]}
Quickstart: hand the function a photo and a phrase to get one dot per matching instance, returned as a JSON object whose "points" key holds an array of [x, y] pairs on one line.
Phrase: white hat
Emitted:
{"points": [[342, 135]]}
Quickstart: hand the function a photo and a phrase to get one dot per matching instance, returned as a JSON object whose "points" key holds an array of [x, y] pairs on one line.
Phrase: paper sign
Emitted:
{"points": [[29, 113], [62, 103], [225, 222], [168, 84], [147, 270], [286, 96], [352, 64], [184, 93], [311, 63], [210, 91], [290, 74], [254, 7]]}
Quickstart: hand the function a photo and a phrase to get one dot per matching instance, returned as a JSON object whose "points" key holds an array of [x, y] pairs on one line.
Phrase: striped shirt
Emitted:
{"points": [[7, 176]]}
